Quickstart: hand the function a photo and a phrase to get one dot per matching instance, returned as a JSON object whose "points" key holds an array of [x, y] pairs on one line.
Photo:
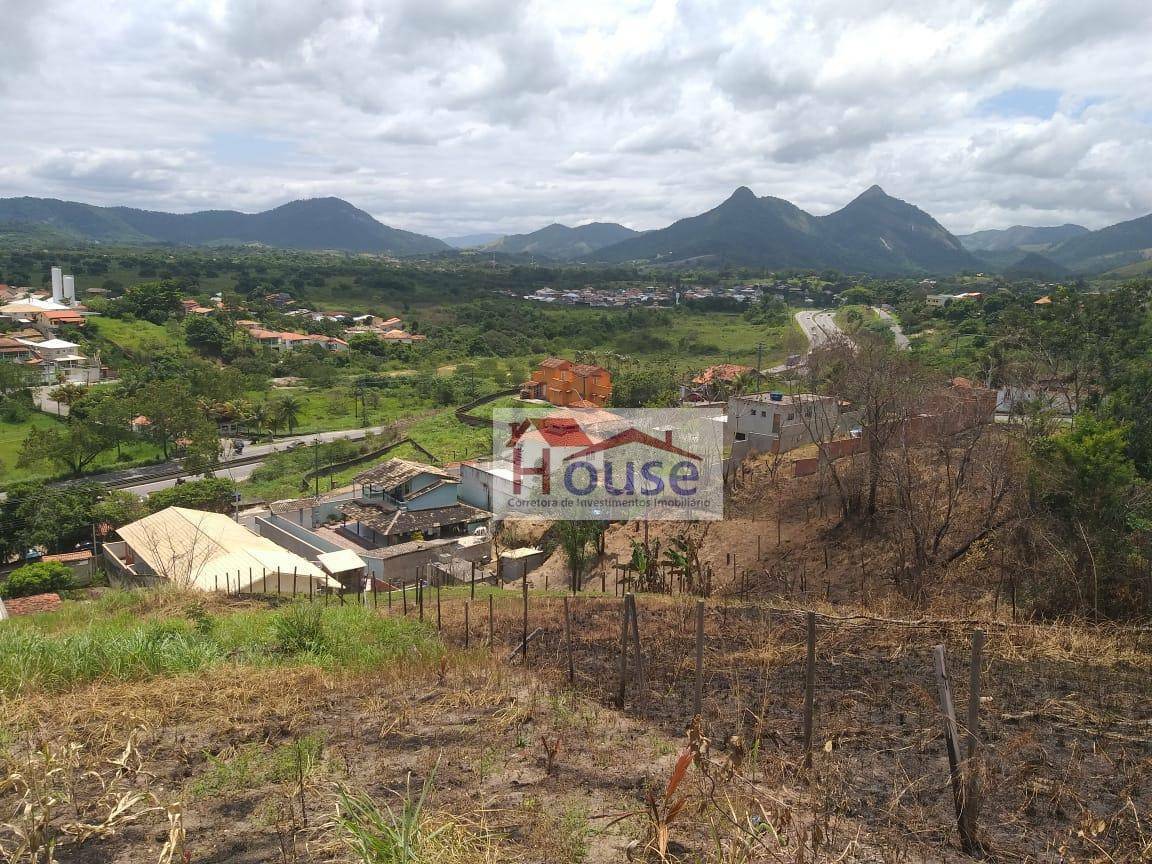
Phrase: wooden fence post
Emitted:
{"points": [[524, 621], [404, 597], [952, 745], [972, 791], [809, 689], [437, 605], [698, 701], [623, 683], [489, 622], [467, 629], [641, 689], [420, 594], [568, 641]]}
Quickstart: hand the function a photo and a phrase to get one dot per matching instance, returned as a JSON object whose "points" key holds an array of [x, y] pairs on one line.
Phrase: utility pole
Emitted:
{"points": [[316, 465]]}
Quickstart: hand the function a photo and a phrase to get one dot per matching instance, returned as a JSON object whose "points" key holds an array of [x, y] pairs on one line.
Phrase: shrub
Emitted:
{"points": [[300, 628], [14, 410], [40, 578]]}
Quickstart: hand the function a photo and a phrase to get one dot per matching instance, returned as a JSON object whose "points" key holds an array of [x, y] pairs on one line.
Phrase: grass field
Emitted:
{"points": [[126, 638], [12, 436], [132, 338]]}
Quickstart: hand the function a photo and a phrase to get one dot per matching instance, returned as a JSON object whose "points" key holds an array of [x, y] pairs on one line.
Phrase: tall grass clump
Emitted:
{"points": [[41, 654], [409, 834]]}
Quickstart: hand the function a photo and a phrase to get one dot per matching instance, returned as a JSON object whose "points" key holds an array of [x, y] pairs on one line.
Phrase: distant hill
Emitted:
{"points": [[562, 242], [471, 241], [875, 233], [1115, 246], [1035, 266], [1020, 237], [884, 234], [317, 223]]}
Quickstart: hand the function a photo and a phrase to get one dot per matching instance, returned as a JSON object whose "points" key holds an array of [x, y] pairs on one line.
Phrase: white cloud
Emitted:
{"points": [[452, 116]]}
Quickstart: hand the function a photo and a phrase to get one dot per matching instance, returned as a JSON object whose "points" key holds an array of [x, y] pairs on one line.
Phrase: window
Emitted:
{"points": [[740, 436], [791, 416]]}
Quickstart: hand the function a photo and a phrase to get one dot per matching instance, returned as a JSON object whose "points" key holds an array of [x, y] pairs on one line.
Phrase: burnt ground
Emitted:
{"points": [[1067, 724], [1066, 715]]}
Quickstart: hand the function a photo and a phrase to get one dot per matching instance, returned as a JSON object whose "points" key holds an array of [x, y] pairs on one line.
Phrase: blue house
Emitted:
{"points": [[400, 500]]}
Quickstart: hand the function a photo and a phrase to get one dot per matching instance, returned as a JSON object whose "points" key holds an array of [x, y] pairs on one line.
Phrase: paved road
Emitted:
{"points": [[150, 483], [897, 331], [818, 326]]}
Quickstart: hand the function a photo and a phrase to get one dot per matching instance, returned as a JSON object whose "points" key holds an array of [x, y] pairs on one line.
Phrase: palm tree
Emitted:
{"points": [[258, 416], [288, 410]]}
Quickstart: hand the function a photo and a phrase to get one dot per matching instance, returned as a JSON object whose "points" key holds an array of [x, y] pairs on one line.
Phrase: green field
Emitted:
{"points": [[12, 436], [133, 338]]}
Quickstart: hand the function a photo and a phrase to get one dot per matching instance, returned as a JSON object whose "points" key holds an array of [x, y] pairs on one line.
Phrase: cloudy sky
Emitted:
{"points": [[454, 116]]}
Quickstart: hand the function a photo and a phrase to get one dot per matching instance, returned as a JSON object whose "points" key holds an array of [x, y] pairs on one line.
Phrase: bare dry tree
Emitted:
{"points": [[177, 563]]}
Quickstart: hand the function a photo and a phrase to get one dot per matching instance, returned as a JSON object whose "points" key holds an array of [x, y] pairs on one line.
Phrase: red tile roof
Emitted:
{"points": [[32, 605], [588, 370], [65, 557], [555, 363], [721, 372]]}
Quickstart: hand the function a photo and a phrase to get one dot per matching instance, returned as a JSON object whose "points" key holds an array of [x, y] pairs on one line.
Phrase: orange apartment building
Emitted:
{"points": [[569, 384]]}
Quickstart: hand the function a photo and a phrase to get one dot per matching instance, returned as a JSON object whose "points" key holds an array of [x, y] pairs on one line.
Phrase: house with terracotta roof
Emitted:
{"points": [[714, 382], [564, 383]]}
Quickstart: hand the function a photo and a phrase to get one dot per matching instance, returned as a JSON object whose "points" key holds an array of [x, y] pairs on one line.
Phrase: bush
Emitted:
{"points": [[40, 578], [14, 410], [300, 629]]}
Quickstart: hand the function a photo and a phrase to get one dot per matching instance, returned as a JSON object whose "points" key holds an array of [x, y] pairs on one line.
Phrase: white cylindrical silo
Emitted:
{"points": [[57, 284], [69, 289]]}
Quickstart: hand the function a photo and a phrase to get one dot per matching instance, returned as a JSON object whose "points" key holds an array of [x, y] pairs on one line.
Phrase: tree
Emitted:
{"points": [[287, 410], [68, 393], [212, 493], [111, 412], [205, 334], [15, 378], [42, 577], [577, 541], [174, 416], [118, 508], [153, 301], [1088, 482], [73, 448], [53, 517]]}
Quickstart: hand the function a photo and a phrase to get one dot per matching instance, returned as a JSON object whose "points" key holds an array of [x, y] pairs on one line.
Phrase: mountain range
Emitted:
{"points": [[562, 242], [1024, 237], [316, 223], [875, 233]]}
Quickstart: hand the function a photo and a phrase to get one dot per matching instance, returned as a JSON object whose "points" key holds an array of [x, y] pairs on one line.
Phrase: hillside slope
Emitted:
{"points": [[1020, 236], [875, 233], [562, 242], [318, 223]]}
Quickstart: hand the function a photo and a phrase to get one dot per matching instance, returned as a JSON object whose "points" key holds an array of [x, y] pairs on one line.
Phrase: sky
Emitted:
{"points": [[450, 117]]}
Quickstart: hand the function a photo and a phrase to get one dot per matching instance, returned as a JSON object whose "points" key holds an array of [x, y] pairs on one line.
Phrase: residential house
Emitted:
{"points": [[564, 383], [389, 324], [61, 359], [402, 500], [15, 351], [50, 320], [779, 422], [208, 552], [401, 337], [714, 382]]}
